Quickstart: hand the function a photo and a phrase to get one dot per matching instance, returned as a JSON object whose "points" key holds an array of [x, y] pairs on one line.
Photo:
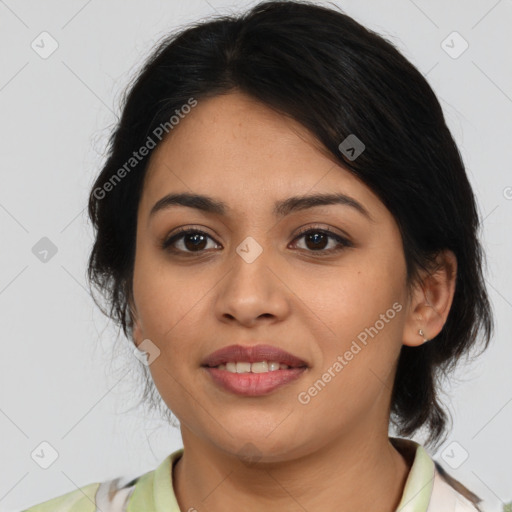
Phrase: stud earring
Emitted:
{"points": [[420, 332]]}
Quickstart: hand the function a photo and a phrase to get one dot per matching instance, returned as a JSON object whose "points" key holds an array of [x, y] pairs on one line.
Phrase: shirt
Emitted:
{"points": [[428, 488]]}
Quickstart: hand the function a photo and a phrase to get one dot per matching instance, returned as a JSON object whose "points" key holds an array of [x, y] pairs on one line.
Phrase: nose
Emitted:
{"points": [[252, 290]]}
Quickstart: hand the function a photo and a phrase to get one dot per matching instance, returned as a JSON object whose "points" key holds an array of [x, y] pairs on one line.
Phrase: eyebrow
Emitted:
{"points": [[281, 208]]}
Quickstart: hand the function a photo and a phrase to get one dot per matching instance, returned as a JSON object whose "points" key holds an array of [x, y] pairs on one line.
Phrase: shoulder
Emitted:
{"points": [[108, 496], [146, 492], [449, 493], [429, 487], [79, 500]]}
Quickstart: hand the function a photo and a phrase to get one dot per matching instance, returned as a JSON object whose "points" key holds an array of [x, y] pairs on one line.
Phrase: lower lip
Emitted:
{"points": [[254, 384]]}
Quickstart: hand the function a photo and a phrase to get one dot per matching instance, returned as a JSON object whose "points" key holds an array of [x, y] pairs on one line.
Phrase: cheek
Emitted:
{"points": [[359, 315], [167, 302], [171, 307], [347, 300], [167, 296]]}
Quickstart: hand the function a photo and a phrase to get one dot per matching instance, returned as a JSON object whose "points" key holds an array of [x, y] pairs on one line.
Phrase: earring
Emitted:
{"points": [[420, 332]]}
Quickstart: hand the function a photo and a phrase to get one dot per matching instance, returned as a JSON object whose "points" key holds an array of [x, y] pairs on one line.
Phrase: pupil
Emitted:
{"points": [[197, 237], [314, 237]]}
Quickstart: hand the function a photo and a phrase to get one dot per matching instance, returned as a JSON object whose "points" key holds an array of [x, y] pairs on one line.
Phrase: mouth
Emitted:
{"points": [[258, 367], [253, 359], [253, 371]]}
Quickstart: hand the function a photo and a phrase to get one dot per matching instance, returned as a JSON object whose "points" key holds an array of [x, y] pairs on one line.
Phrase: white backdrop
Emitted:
{"points": [[59, 97]]}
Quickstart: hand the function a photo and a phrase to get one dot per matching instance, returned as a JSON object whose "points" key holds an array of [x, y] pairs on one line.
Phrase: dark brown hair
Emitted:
{"points": [[336, 78]]}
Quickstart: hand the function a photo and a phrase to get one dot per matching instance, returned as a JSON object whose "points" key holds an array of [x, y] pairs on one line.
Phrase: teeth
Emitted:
{"points": [[259, 367], [243, 367]]}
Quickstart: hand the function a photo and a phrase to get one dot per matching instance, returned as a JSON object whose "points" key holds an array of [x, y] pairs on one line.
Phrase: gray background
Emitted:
{"points": [[57, 381]]}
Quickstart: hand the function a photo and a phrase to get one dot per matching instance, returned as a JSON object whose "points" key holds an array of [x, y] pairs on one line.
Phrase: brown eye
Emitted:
{"points": [[187, 241], [190, 241], [316, 240]]}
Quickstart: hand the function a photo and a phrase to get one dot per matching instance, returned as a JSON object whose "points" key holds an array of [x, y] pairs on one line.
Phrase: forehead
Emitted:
{"points": [[234, 147]]}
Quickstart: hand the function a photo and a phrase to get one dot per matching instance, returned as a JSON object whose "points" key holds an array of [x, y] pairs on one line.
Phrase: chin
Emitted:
{"points": [[260, 447]]}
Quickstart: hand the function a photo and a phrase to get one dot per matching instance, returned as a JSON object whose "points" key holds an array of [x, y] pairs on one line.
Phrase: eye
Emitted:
{"points": [[191, 241], [317, 239]]}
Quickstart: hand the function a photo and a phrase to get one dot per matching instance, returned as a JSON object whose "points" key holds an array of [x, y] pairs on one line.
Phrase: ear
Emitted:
{"points": [[431, 300]]}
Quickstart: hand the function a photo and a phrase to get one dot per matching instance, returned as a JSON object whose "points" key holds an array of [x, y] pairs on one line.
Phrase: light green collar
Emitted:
{"points": [[154, 491], [420, 481]]}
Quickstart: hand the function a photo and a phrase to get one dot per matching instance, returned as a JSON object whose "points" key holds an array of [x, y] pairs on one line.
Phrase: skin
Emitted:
{"points": [[332, 453]]}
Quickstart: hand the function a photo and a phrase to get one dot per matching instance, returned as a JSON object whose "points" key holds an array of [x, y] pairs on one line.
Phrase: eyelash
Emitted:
{"points": [[182, 232]]}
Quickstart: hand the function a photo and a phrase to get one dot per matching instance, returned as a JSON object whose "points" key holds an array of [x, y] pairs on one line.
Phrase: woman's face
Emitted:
{"points": [[250, 277]]}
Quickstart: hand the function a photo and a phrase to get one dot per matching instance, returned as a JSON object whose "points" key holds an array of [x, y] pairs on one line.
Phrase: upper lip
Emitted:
{"points": [[252, 354]]}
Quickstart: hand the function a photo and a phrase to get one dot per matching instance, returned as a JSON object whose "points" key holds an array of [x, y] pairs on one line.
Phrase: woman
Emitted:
{"points": [[286, 232]]}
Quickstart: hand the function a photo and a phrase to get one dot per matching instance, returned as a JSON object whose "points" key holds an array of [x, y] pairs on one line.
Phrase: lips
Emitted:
{"points": [[254, 354]]}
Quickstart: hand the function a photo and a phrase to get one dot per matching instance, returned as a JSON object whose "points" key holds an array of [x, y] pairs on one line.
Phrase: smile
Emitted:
{"points": [[259, 367]]}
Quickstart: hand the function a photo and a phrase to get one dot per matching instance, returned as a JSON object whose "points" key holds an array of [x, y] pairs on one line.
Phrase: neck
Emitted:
{"points": [[366, 472]]}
